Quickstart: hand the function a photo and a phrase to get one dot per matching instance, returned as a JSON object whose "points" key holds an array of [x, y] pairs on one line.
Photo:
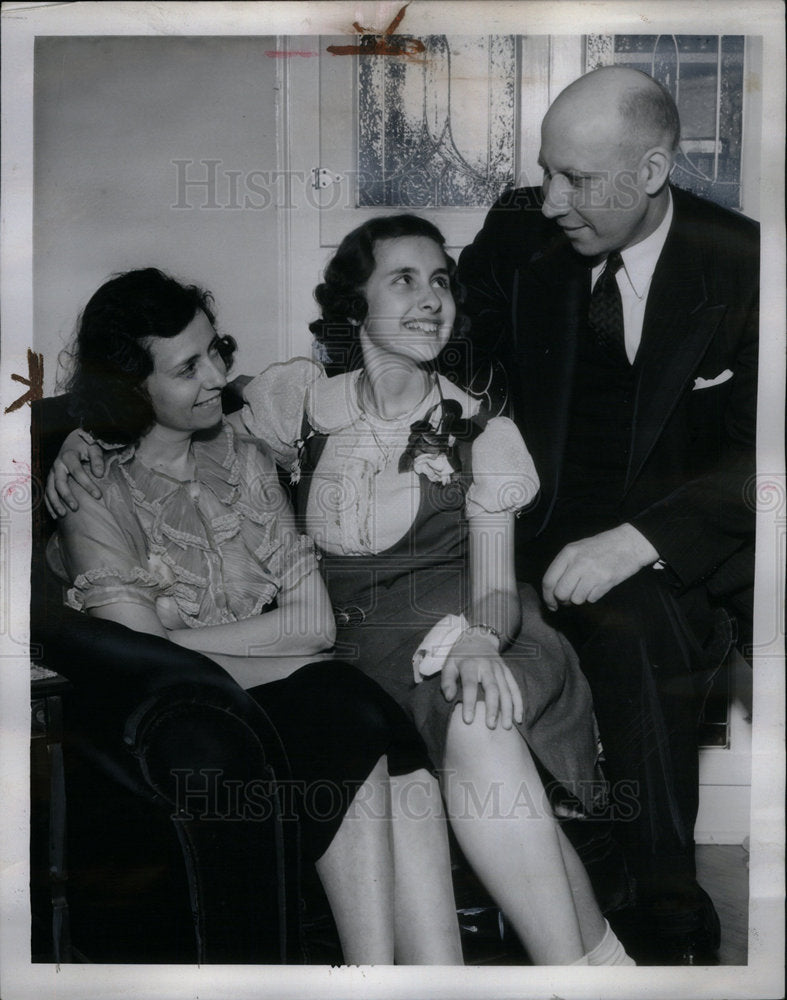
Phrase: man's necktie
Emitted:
{"points": [[605, 314]]}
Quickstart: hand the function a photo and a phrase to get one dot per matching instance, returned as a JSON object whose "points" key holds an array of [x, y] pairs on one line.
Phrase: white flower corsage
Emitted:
{"points": [[436, 468]]}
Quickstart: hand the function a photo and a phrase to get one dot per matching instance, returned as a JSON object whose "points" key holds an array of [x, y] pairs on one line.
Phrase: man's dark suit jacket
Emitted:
{"points": [[689, 485]]}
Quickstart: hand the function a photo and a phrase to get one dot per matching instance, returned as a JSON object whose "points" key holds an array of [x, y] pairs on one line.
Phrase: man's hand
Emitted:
{"points": [[585, 570]]}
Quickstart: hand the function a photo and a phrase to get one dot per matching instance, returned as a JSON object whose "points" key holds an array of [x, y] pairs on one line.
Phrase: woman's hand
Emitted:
{"points": [[167, 612], [77, 453], [474, 660]]}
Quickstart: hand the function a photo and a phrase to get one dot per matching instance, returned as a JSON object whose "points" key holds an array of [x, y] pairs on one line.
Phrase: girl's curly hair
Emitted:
{"points": [[340, 295], [111, 356]]}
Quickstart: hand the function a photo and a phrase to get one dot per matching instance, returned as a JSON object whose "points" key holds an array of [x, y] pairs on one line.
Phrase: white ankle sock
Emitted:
{"points": [[580, 961], [609, 951]]}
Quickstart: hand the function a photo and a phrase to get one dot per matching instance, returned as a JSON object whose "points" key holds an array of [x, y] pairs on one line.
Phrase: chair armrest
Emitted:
{"points": [[117, 668], [215, 762], [219, 770]]}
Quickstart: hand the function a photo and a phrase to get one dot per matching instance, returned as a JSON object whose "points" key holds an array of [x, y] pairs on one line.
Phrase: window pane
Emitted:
{"points": [[438, 129], [704, 73]]}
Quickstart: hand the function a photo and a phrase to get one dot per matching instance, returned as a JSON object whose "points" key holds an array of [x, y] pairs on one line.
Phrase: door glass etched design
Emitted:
{"points": [[704, 73], [438, 130]]}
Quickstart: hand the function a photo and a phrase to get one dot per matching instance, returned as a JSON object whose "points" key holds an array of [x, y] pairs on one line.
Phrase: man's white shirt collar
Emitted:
{"points": [[639, 261]]}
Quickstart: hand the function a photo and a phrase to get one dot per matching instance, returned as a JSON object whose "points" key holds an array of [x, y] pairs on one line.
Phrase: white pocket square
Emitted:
{"points": [[707, 383]]}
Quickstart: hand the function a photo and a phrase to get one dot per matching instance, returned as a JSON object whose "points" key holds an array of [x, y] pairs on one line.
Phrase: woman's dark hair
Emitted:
{"points": [[111, 356], [343, 305]]}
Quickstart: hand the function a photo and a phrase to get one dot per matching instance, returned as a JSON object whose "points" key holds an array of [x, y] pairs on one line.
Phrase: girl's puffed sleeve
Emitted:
{"points": [[274, 406], [287, 555], [504, 474]]}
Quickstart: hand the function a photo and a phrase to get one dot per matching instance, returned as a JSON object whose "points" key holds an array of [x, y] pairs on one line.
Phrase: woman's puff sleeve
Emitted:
{"points": [[274, 406], [504, 474], [104, 562]]}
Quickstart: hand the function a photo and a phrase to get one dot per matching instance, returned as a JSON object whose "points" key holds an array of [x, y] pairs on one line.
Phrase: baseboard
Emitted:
{"points": [[725, 772]]}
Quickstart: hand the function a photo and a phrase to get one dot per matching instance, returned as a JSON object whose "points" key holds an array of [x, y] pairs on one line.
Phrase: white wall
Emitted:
{"points": [[111, 116]]}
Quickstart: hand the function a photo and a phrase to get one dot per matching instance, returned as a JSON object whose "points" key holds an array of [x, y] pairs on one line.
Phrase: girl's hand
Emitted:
{"points": [[77, 454], [473, 661]]}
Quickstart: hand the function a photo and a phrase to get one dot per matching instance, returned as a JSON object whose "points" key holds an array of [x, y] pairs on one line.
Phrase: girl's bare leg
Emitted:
{"points": [[498, 810], [591, 921]]}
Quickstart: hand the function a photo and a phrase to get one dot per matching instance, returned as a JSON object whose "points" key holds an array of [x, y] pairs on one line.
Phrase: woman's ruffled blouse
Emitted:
{"points": [[363, 446], [215, 549]]}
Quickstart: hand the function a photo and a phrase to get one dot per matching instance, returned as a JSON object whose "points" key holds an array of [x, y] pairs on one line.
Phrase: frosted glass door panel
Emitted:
{"points": [[433, 132]]}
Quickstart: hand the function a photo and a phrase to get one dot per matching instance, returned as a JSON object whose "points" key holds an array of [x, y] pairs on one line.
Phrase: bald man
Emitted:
{"points": [[625, 313]]}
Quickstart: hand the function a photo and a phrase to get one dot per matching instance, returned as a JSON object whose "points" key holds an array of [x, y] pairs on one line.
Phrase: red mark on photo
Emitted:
{"points": [[385, 43], [21, 480], [281, 54]]}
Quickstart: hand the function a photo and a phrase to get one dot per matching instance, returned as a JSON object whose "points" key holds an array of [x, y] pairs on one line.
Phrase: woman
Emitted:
{"points": [[193, 540]]}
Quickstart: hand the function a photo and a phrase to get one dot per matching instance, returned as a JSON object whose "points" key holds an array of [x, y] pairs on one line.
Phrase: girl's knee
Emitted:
{"points": [[474, 738], [474, 747]]}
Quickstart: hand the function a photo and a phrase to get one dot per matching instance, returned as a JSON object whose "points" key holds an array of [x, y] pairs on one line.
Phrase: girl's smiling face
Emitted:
{"points": [[411, 309]]}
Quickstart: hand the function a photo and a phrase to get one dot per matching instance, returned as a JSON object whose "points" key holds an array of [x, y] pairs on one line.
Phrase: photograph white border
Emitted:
{"points": [[763, 976]]}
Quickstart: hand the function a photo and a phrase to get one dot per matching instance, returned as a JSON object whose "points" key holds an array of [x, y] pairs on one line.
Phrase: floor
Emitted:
{"points": [[723, 871]]}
